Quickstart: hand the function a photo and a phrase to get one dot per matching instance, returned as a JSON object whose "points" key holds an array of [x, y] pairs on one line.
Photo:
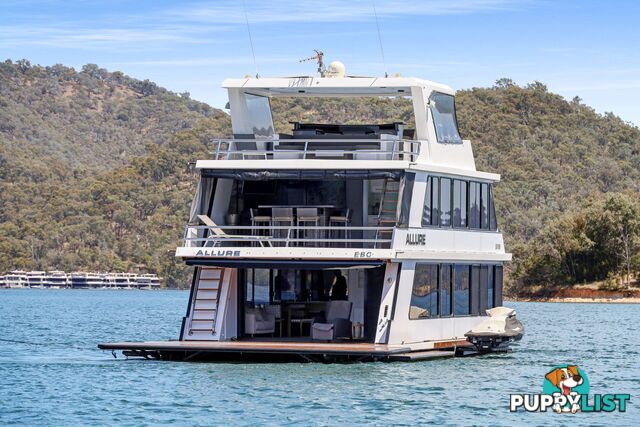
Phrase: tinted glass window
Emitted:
{"points": [[493, 222], [445, 202], [431, 213], [444, 118], [445, 290], [461, 290], [484, 206], [259, 111], [426, 212], [474, 205], [484, 285], [497, 286], [407, 194], [424, 297], [487, 291], [261, 286], [475, 289], [459, 203]]}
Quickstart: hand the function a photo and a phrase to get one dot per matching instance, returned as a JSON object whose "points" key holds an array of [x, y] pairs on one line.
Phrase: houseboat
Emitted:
{"points": [[16, 279], [36, 279], [334, 241], [56, 280], [147, 281]]}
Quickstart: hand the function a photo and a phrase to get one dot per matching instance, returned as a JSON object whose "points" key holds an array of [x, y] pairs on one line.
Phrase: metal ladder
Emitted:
{"points": [[388, 212], [205, 302]]}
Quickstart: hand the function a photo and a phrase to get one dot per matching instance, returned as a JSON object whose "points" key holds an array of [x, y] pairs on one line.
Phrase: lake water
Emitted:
{"points": [[52, 374]]}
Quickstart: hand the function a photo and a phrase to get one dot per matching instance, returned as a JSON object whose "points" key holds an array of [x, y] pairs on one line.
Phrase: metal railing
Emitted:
{"points": [[288, 236], [268, 149]]}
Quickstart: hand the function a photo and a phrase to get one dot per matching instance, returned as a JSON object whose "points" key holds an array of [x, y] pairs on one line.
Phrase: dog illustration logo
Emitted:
{"points": [[569, 381], [565, 390]]}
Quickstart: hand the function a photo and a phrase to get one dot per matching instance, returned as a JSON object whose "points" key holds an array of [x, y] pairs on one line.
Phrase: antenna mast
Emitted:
{"points": [[319, 59], [375, 13], [253, 52]]}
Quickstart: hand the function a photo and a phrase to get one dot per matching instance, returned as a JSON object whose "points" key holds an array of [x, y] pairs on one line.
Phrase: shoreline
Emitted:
{"points": [[600, 300]]}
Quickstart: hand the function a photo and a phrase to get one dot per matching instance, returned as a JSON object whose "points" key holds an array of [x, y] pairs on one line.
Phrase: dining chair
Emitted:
{"points": [[343, 220], [306, 217], [282, 217]]}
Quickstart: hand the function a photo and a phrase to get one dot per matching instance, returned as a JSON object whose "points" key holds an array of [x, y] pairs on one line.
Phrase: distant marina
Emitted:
{"points": [[78, 280]]}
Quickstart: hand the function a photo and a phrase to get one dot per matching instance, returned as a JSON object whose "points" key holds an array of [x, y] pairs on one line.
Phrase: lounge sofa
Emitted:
{"points": [[337, 324], [259, 321]]}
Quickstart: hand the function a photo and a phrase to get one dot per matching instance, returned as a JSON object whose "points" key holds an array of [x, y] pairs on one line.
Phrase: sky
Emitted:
{"points": [[589, 49]]}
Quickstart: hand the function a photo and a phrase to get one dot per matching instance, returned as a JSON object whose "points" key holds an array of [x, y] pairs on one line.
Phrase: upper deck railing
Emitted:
{"points": [[309, 148], [288, 236]]}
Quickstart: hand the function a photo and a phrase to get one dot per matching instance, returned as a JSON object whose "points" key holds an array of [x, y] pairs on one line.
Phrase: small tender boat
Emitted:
{"points": [[497, 331]]}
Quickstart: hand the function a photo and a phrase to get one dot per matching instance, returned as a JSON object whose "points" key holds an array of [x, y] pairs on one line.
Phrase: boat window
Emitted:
{"points": [[476, 285], [444, 118], [485, 284], [445, 202], [461, 290], [259, 112], [257, 286], [445, 290], [376, 187], [493, 221], [484, 206], [474, 205], [464, 289], [459, 203], [424, 297], [407, 195], [287, 285], [497, 286], [430, 213]]}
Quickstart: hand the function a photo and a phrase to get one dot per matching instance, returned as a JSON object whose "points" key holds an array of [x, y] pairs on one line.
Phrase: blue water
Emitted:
{"points": [[65, 380]]}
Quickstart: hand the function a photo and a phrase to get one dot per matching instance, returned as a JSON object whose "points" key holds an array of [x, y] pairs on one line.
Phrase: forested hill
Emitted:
{"points": [[93, 165], [89, 118]]}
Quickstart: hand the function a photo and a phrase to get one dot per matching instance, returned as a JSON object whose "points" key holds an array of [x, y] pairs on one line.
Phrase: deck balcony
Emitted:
{"points": [[315, 148], [270, 236]]}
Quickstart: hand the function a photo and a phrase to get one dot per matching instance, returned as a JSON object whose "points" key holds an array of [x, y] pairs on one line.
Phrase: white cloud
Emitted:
{"points": [[333, 10], [195, 23]]}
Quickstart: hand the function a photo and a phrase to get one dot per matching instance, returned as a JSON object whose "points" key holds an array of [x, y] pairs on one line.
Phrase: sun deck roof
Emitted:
{"points": [[330, 86]]}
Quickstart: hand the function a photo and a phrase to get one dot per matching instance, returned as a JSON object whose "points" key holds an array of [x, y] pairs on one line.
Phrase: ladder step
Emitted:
{"points": [[207, 294], [201, 324], [202, 315], [210, 274], [208, 284]]}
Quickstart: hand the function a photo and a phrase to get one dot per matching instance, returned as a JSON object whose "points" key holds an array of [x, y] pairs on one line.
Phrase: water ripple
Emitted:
{"points": [[54, 375]]}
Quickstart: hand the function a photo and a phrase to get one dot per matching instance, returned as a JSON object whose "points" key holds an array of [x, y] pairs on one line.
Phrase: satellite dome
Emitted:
{"points": [[335, 69]]}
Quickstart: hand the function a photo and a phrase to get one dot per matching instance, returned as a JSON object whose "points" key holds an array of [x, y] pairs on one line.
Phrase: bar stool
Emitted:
{"points": [[258, 220], [281, 217], [341, 221], [306, 217]]}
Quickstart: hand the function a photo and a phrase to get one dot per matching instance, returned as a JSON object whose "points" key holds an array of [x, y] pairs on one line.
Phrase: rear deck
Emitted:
{"points": [[277, 351]]}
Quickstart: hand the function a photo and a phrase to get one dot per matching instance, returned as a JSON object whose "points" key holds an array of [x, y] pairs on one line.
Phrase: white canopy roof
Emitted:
{"points": [[334, 86]]}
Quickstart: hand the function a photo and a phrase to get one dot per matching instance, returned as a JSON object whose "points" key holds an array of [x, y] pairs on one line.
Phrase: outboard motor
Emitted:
{"points": [[496, 332]]}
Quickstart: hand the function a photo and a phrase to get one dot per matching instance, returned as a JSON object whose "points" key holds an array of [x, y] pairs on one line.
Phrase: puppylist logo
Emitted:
{"points": [[566, 390]]}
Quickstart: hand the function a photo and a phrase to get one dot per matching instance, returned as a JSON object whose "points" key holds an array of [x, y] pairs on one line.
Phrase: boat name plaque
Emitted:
{"points": [[219, 252], [416, 239]]}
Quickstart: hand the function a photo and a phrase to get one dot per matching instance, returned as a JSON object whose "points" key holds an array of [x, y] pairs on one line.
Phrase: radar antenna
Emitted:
{"points": [[318, 57]]}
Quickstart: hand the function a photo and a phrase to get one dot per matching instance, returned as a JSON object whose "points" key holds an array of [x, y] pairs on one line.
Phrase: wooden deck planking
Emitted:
{"points": [[257, 346]]}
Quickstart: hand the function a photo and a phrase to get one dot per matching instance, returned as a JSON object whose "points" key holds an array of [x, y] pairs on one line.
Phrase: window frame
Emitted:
{"points": [[433, 105], [433, 195], [437, 290], [481, 294]]}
